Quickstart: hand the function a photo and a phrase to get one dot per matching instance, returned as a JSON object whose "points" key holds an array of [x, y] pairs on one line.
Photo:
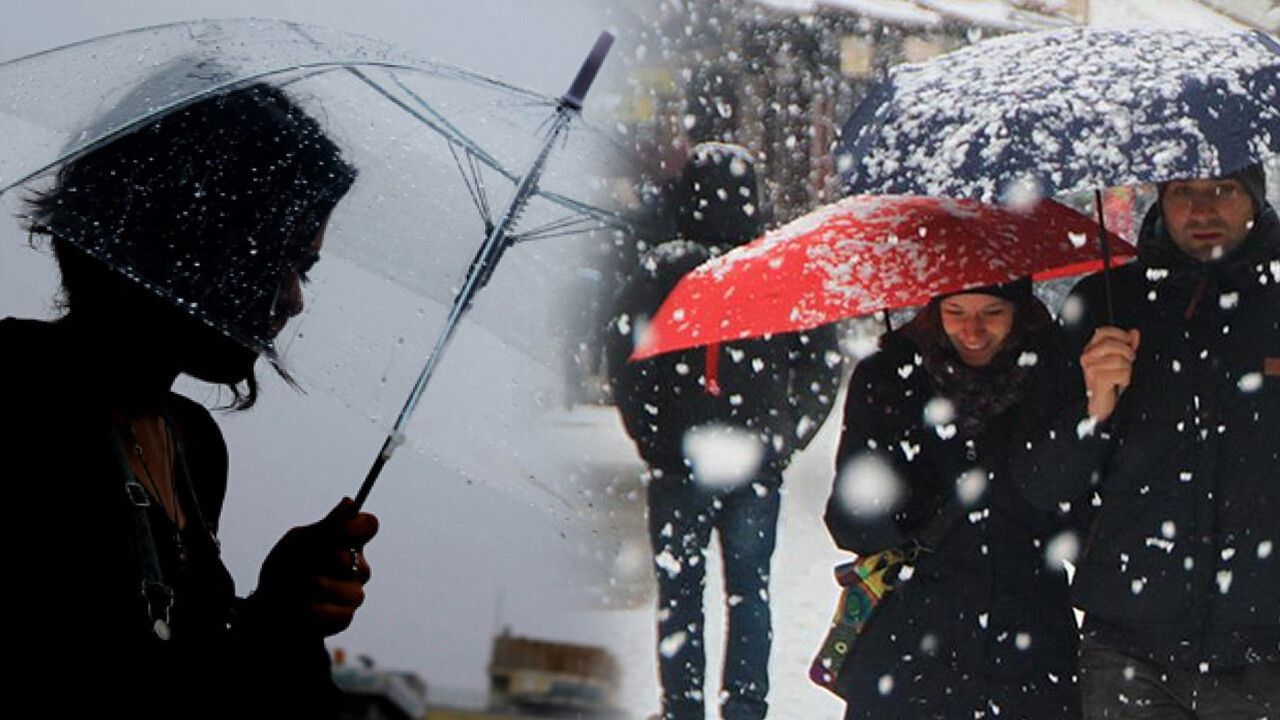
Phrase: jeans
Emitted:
{"points": [[1116, 686], [681, 516]]}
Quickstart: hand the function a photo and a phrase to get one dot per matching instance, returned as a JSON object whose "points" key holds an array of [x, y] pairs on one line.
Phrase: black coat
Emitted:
{"points": [[782, 388], [79, 634], [1179, 567], [983, 617]]}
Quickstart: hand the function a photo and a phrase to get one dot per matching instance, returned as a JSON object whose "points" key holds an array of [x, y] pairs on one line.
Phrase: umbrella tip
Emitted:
{"points": [[587, 73]]}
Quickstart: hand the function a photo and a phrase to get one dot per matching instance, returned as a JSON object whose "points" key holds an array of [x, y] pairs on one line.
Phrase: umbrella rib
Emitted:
{"points": [[217, 88], [440, 125], [558, 228], [466, 180], [480, 187]]}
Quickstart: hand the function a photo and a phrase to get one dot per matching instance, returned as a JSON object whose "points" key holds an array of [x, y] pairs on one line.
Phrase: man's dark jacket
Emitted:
{"points": [[1180, 566]]}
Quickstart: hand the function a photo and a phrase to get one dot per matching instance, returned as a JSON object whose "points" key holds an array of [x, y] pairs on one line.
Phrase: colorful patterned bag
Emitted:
{"points": [[865, 581]]}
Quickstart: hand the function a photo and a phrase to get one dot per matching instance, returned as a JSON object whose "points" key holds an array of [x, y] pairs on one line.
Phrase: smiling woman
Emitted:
{"points": [[977, 325], [182, 247], [984, 624]]}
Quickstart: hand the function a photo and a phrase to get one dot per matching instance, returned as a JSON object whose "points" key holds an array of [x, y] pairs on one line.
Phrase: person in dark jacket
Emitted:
{"points": [[171, 240], [1168, 416], [717, 427], [979, 623]]}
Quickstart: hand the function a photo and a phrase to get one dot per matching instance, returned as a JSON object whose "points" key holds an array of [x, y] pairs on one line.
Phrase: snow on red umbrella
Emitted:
{"points": [[865, 254]]}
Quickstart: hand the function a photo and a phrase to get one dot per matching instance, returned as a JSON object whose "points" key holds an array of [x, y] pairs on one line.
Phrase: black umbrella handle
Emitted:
{"points": [[1104, 243], [587, 74]]}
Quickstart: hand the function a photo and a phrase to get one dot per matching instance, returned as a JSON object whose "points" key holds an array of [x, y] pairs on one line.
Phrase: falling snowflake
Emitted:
{"points": [[667, 563], [868, 486], [1224, 578], [1062, 548], [1250, 382], [722, 457], [939, 411], [971, 485], [671, 644]]}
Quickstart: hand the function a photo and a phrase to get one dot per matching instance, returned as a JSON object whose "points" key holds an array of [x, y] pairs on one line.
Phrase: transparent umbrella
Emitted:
{"points": [[448, 161]]}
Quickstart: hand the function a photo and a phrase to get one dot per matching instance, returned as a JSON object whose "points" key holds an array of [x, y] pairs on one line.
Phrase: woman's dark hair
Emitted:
{"points": [[208, 207]]}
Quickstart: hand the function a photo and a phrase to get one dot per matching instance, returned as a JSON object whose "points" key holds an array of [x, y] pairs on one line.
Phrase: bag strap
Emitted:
{"points": [[157, 596], [186, 486]]}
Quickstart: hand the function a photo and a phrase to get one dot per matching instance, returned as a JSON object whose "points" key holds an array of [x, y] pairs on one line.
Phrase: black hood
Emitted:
{"points": [[717, 197]]}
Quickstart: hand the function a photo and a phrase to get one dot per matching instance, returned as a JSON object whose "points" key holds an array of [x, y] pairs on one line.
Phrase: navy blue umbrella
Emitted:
{"points": [[1067, 111], [1052, 113]]}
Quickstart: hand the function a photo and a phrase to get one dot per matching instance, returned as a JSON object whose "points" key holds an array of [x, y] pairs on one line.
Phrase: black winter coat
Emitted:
{"points": [[1180, 566], [79, 636], [781, 388], [983, 618]]}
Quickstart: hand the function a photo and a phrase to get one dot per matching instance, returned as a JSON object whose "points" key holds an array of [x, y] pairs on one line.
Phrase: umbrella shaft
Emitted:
{"points": [[481, 269], [1106, 257], [388, 447], [481, 266]]}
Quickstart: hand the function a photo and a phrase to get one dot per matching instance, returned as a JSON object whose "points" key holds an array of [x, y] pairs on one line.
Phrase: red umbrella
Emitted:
{"points": [[865, 254]]}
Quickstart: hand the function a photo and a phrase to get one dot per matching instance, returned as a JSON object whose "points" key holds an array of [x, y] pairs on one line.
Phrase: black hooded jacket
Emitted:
{"points": [[780, 389], [1179, 567], [984, 615], [77, 616]]}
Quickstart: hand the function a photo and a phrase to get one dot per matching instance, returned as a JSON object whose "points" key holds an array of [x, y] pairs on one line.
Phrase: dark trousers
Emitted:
{"points": [[682, 515], [1118, 687]]}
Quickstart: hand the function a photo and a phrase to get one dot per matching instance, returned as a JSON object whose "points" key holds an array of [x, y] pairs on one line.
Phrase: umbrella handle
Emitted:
{"points": [[587, 73]]}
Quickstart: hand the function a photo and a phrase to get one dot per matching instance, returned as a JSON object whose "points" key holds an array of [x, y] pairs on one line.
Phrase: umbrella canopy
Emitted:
{"points": [[407, 124], [865, 254], [435, 152], [1065, 111]]}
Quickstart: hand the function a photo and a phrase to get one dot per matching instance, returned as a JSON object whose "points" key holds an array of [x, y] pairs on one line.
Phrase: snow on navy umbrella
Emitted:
{"points": [[407, 124], [1066, 111], [864, 254]]}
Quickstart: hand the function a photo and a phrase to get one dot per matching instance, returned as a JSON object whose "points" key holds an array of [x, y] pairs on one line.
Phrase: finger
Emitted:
{"points": [[1112, 332], [339, 592], [357, 567], [1106, 360], [1106, 381], [331, 619], [1135, 337], [1107, 378], [1110, 361], [1110, 341], [345, 509], [357, 530]]}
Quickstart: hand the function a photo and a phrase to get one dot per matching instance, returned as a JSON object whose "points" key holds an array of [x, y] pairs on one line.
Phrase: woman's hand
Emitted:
{"points": [[314, 577]]}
